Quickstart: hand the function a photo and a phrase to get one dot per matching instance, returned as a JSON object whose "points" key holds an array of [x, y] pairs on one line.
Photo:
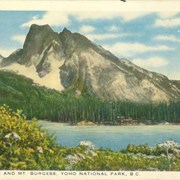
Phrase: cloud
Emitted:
{"points": [[131, 49], [94, 37], [7, 52], [35, 17], [125, 16], [61, 18], [166, 14], [168, 23], [173, 75], [53, 18], [167, 38], [167, 19], [153, 62], [113, 28], [87, 29], [19, 38]]}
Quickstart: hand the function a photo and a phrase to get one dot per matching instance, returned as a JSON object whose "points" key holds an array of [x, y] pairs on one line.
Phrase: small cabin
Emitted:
{"points": [[129, 121]]}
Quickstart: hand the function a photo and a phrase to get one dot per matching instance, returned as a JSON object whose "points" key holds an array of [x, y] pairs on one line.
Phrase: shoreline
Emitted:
{"points": [[99, 125]]}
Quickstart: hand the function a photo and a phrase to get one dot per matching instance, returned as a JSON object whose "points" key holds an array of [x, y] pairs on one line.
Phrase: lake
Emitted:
{"points": [[113, 137]]}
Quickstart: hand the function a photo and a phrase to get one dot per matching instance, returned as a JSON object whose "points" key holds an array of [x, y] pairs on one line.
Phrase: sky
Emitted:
{"points": [[149, 39]]}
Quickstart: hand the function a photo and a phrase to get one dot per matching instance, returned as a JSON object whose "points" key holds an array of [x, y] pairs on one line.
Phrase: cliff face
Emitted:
{"points": [[70, 61], [1, 58]]}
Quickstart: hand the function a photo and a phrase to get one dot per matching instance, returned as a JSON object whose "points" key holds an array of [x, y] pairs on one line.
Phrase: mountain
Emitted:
{"points": [[1, 58], [70, 61]]}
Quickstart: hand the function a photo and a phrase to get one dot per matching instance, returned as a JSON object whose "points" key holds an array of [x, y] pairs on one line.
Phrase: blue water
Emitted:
{"points": [[113, 137]]}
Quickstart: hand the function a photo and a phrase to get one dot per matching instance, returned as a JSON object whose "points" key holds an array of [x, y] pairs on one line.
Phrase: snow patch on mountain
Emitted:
{"points": [[51, 80]]}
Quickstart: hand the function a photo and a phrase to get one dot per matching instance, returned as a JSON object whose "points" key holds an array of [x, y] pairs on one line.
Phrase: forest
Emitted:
{"points": [[19, 92]]}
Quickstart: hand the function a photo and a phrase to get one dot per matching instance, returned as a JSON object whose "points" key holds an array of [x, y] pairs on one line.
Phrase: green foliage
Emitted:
{"points": [[24, 145], [139, 157], [106, 160], [144, 149]]}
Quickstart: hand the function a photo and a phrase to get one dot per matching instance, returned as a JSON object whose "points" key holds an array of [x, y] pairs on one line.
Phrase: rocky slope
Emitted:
{"points": [[70, 61]]}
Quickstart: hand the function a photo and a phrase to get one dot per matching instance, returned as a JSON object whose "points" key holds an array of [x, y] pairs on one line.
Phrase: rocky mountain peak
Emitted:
{"points": [[66, 31], [38, 37], [37, 31], [74, 41], [68, 60], [35, 27]]}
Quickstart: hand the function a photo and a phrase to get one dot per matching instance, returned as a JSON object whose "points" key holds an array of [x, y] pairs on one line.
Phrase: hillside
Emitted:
{"points": [[20, 92]]}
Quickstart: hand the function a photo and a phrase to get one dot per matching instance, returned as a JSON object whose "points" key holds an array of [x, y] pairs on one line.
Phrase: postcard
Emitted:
{"points": [[89, 90]]}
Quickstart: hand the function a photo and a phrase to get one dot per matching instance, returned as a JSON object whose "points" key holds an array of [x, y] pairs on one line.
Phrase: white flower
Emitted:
{"points": [[168, 145], [163, 155], [72, 159], [14, 135], [151, 157], [176, 152], [8, 135], [90, 153], [93, 153], [81, 156], [40, 149], [87, 144]]}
